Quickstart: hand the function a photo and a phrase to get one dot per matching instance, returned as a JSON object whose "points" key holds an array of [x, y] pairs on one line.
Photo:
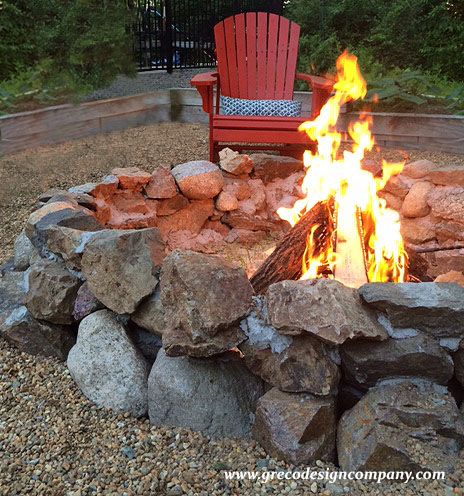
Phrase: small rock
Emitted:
{"points": [[131, 177], [191, 218], [150, 314], [171, 205], [161, 185], [107, 366], [128, 452], [241, 220], [269, 167], [61, 214], [389, 427], [436, 308], [198, 180], [452, 175], [52, 291], [23, 252], [119, 266], [415, 202], [194, 289], [245, 236], [226, 202], [147, 343], [296, 428], [365, 362], [85, 303], [418, 231], [399, 185], [418, 169], [451, 276], [323, 307], [459, 364], [234, 162], [447, 202], [217, 398]]}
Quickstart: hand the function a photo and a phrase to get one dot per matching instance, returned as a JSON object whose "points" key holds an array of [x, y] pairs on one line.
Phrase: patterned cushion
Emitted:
{"points": [[279, 108]]}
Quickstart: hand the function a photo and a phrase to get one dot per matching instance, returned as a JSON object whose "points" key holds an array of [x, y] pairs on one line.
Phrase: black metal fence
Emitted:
{"points": [[172, 34]]}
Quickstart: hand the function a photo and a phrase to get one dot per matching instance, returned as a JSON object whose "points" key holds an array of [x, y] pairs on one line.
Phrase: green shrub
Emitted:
{"points": [[50, 47], [410, 51]]}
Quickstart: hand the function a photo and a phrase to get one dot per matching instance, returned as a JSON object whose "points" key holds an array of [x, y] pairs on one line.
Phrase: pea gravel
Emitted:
{"points": [[55, 442]]}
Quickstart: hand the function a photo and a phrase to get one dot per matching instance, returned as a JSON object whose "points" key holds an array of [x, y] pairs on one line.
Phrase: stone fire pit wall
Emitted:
{"points": [[111, 278]]}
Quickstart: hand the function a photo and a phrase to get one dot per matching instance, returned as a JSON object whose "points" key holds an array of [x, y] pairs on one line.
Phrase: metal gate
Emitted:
{"points": [[172, 34]]}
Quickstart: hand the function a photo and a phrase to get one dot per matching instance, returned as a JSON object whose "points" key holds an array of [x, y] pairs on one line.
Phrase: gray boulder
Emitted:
{"points": [[204, 299], [291, 363], [59, 213], [19, 328], [436, 308], [217, 398], [51, 293], [150, 314], [37, 337], [365, 362], [401, 425], [120, 266], [107, 366], [297, 428], [323, 307]]}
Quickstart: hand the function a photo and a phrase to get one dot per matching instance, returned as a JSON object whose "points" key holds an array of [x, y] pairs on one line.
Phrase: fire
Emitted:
{"points": [[339, 176]]}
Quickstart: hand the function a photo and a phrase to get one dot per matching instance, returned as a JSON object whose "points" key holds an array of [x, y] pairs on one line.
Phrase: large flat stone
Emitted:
{"points": [[436, 308], [291, 363], [401, 425], [215, 397], [269, 167], [296, 428], [52, 291], [322, 307], [120, 266], [365, 362], [204, 299]]}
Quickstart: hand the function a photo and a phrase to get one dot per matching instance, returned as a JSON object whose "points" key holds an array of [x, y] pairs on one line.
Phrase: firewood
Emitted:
{"points": [[285, 262]]}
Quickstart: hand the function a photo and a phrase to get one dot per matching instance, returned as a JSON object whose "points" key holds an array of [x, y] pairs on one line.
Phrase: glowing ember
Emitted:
{"points": [[361, 218]]}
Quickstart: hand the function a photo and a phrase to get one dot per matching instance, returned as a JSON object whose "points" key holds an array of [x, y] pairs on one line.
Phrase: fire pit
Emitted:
{"points": [[339, 346]]}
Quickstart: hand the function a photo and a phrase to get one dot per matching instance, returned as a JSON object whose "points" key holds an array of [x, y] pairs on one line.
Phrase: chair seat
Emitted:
{"points": [[254, 129]]}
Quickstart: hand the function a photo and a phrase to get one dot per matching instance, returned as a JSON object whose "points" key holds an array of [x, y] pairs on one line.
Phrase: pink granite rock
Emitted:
{"points": [[161, 185], [191, 218], [234, 162], [198, 180], [226, 202], [131, 177]]}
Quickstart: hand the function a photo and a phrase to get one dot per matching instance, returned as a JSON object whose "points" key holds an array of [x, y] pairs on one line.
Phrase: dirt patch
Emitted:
{"points": [[23, 176]]}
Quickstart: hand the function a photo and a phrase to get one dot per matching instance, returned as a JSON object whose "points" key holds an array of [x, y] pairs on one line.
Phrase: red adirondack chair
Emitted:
{"points": [[256, 60]]}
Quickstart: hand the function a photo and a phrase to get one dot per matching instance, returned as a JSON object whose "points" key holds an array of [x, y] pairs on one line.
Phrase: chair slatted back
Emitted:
{"points": [[256, 55]]}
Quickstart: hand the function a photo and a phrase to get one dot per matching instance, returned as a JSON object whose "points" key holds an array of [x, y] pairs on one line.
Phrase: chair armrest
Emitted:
{"points": [[204, 83], [204, 79], [322, 88]]}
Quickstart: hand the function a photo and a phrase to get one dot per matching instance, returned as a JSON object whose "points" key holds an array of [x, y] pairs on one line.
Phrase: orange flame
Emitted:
{"points": [[330, 174]]}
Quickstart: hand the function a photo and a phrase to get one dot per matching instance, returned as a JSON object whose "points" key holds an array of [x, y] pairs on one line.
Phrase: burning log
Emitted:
{"points": [[286, 260]]}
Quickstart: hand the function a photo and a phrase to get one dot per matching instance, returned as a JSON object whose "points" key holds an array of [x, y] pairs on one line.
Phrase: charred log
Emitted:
{"points": [[285, 262]]}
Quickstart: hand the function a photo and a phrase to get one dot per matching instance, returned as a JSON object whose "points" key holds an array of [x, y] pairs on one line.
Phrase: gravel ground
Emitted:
{"points": [[145, 82], [52, 440]]}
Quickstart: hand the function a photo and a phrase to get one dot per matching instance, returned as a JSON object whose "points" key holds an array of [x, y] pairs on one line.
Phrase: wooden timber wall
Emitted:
{"points": [[65, 122]]}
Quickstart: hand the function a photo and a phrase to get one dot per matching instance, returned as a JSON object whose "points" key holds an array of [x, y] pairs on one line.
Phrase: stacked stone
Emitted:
{"points": [[430, 199], [199, 205], [182, 338]]}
